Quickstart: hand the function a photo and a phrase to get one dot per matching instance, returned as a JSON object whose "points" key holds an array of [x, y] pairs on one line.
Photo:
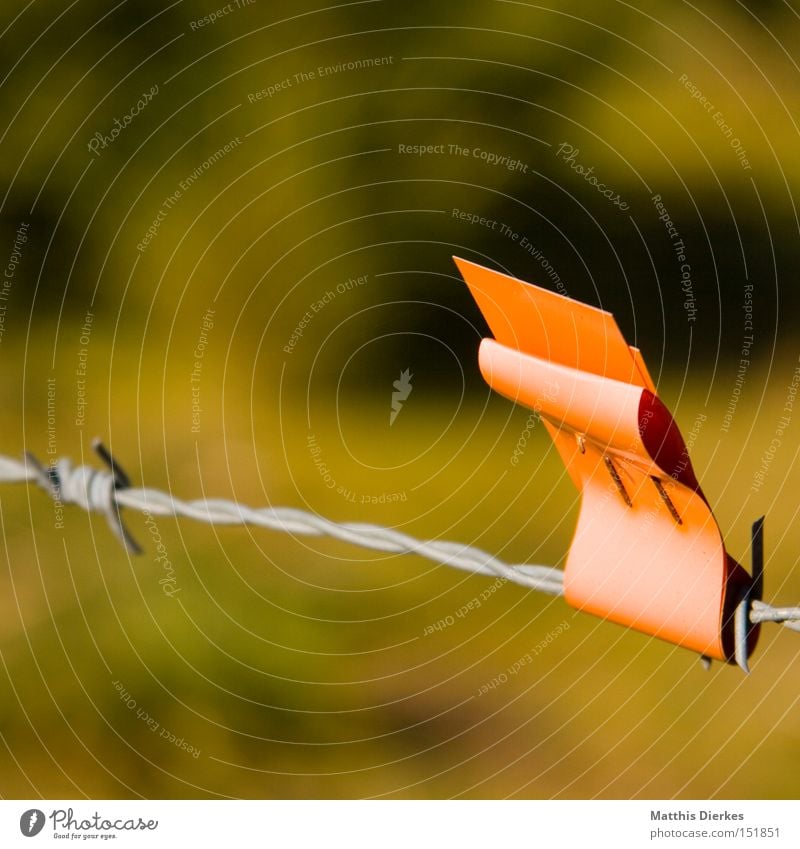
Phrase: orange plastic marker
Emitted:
{"points": [[647, 552]]}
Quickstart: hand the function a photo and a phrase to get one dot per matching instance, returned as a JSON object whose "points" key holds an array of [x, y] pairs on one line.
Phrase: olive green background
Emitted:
{"points": [[306, 667]]}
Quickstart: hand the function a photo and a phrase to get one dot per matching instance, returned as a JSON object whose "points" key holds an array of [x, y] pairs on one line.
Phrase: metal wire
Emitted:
{"points": [[107, 491]]}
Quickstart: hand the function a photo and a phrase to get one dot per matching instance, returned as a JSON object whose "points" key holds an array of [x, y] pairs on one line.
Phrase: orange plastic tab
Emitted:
{"points": [[647, 551]]}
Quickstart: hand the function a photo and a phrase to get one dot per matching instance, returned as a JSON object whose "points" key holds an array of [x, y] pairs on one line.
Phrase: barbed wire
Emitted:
{"points": [[106, 491]]}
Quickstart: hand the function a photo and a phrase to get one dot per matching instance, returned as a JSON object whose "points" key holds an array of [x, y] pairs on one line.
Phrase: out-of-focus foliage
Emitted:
{"points": [[227, 289]]}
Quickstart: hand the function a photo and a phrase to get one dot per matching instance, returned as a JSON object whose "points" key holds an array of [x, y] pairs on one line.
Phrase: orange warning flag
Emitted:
{"points": [[647, 552]]}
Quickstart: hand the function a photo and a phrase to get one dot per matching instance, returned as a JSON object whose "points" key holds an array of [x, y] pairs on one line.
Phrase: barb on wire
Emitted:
{"points": [[106, 492], [89, 488]]}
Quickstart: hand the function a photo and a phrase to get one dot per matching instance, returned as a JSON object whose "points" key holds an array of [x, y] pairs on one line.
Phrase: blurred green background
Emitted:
{"points": [[271, 163]]}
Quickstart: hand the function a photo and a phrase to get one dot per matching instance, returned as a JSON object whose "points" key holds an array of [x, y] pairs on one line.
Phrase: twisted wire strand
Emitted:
{"points": [[105, 492], [303, 523]]}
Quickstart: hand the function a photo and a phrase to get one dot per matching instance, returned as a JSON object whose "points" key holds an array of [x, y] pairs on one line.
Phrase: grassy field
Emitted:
{"points": [[286, 202], [283, 667]]}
